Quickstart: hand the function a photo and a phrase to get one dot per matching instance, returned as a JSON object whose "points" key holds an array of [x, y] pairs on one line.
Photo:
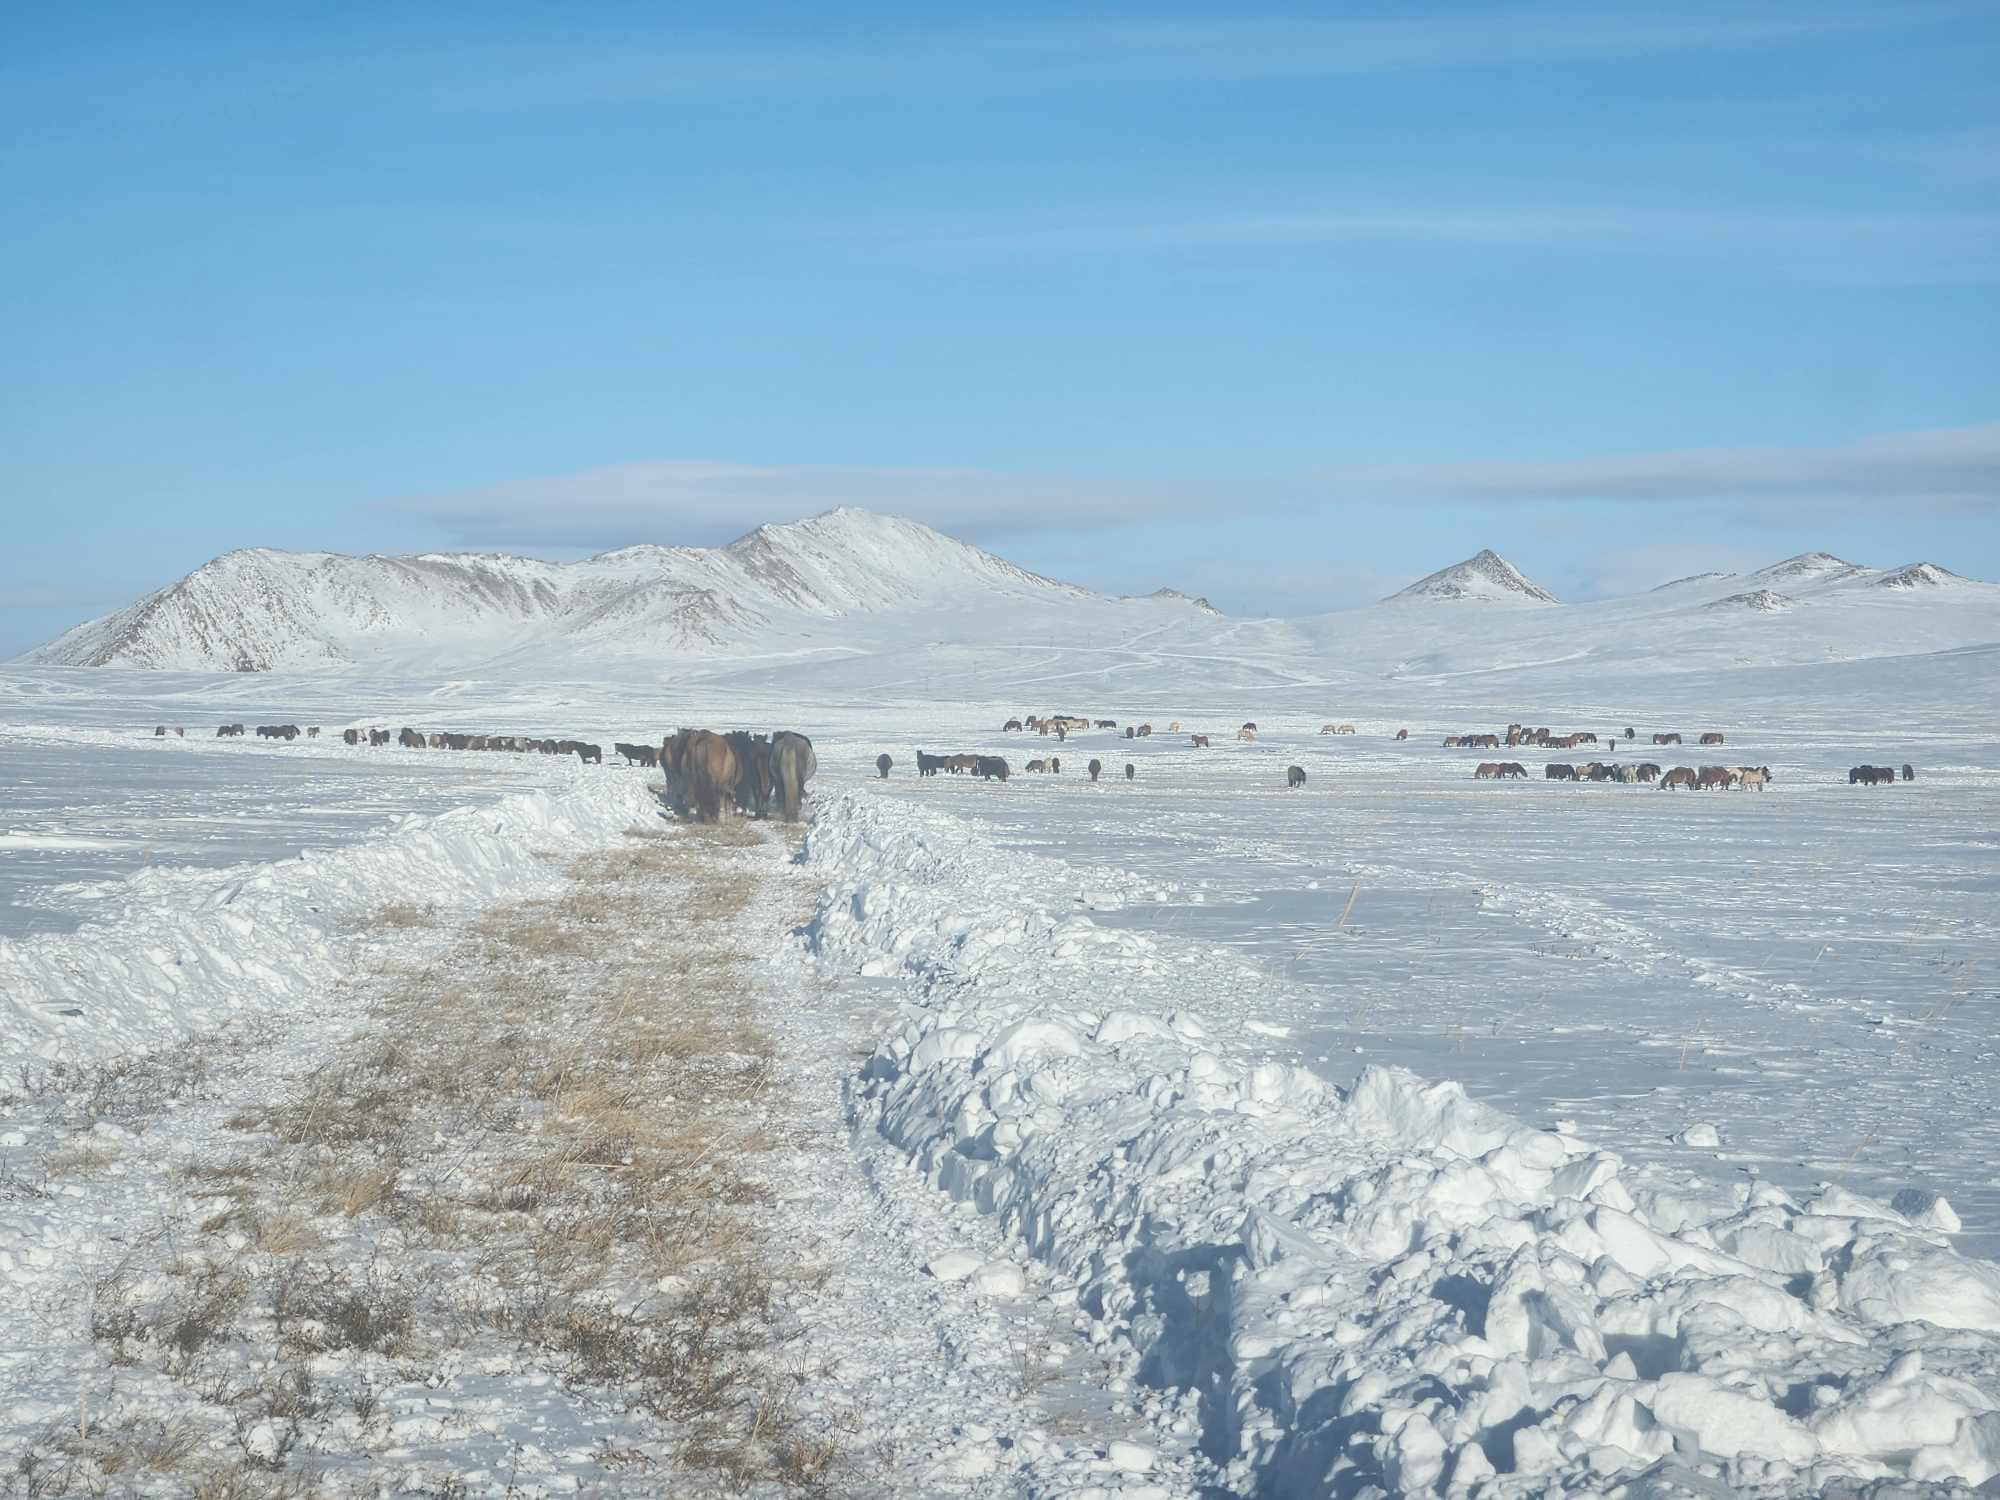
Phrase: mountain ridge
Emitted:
{"points": [[850, 584]]}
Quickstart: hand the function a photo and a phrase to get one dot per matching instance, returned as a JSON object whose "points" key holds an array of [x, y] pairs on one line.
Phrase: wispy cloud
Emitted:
{"points": [[696, 500], [700, 501], [1897, 248], [1953, 468], [1044, 53]]}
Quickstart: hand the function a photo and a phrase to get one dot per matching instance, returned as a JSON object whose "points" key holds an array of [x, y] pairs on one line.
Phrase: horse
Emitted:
{"points": [[882, 764], [927, 765], [1145, 731], [1130, 770], [1036, 765], [1871, 775], [751, 790], [376, 737], [1486, 770], [1512, 768], [1557, 772], [1680, 776], [590, 755], [990, 767], [1328, 729], [1909, 772], [1010, 725], [1648, 771], [1402, 734], [1666, 739], [1712, 737], [1714, 778], [1200, 741], [700, 766], [1094, 767], [1343, 729], [1749, 776], [1247, 735], [1295, 776], [1628, 732], [1175, 727], [792, 766], [1251, 725], [1105, 724], [1055, 765]]}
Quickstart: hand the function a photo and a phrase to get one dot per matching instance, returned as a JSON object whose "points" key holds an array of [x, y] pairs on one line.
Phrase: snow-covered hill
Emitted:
{"points": [[263, 610], [1487, 577], [850, 601]]}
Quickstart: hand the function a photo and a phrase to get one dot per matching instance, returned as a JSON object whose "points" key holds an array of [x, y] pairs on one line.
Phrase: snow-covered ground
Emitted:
{"points": [[1200, 1151]]}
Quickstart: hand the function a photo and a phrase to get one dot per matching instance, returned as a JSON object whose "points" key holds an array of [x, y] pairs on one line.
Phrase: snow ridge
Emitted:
{"points": [[1392, 1289]]}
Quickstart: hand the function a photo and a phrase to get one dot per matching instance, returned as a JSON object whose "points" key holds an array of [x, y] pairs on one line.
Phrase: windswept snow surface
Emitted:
{"points": [[1389, 1288], [1182, 1038]]}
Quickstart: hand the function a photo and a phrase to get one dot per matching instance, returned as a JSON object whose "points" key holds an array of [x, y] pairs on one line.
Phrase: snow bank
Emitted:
{"points": [[191, 947], [1393, 1286]]}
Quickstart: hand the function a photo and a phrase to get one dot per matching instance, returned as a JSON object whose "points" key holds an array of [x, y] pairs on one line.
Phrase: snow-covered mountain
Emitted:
{"points": [[1487, 577], [263, 610], [850, 601]]}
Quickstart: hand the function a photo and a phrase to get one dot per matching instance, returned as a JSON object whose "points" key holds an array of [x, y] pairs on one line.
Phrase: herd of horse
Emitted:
{"points": [[703, 769]]}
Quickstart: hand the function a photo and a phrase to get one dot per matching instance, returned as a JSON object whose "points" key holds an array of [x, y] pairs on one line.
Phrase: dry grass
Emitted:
{"points": [[400, 916], [558, 1116]]}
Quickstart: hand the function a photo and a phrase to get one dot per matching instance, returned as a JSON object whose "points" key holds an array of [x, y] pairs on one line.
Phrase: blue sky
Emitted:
{"points": [[1285, 307]]}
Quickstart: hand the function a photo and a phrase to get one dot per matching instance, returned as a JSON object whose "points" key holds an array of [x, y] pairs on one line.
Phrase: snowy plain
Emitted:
{"points": [[1398, 1131]]}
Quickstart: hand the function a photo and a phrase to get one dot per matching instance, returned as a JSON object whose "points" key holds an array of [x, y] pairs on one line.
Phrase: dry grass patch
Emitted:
{"points": [[401, 916]]}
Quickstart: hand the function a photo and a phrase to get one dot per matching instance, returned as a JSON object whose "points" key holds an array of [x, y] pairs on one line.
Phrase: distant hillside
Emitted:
{"points": [[850, 600]]}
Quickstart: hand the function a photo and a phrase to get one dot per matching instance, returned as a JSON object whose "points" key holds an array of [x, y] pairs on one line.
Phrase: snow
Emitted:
{"points": [[1403, 1132], [1486, 577]]}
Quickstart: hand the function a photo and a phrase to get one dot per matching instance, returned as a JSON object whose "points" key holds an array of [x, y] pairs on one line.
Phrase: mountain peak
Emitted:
{"points": [[1811, 565], [1485, 576], [1917, 576]]}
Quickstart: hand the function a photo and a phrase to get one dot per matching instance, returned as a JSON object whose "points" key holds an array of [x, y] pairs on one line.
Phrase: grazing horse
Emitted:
{"points": [[1680, 776], [1558, 772], [1328, 729], [1909, 772], [882, 764], [1486, 770], [990, 767], [1011, 724], [1871, 775], [1452, 742], [1247, 735], [1295, 776], [1036, 765], [1130, 770], [1105, 724], [1094, 767], [700, 767], [1145, 731], [1649, 771], [792, 766], [1714, 778], [751, 789], [1343, 729], [1200, 741], [1402, 734], [409, 739], [1712, 737], [1666, 739], [1749, 776], [1512, 768]]}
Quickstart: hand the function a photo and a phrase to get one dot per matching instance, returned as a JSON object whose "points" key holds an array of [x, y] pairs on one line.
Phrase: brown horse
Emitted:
{"points": [[1680, 776], [1200, 741], [1712, 737], [700, 767], [1666, 739], [1486, 770], [1402, 734]]}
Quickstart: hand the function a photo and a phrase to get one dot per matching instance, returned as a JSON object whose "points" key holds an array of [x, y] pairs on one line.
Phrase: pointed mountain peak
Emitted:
{"points": [[1809, 565], [1485, 576]]}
